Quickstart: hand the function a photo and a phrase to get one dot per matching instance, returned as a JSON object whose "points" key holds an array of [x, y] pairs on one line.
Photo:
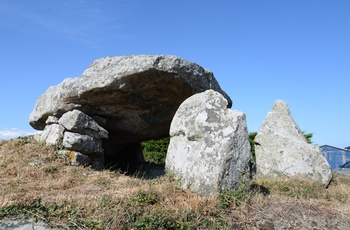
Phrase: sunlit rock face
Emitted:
{"points": [[209, 150], [282, 150]]}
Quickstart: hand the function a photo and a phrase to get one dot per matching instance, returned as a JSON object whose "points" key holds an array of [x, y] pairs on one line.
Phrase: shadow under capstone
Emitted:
{"points": [[129, 160]]}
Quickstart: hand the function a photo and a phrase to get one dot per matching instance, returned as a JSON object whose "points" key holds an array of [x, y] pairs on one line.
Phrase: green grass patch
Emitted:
{"points": [[155, 151], [143, 198]]}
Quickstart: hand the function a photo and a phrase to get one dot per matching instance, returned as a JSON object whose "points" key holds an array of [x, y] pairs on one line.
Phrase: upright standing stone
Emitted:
{"points": [[209, 149], [282, 150]]}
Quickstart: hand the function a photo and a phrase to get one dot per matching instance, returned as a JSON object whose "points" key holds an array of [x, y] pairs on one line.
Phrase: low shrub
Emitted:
{"points": [[155, 151]]}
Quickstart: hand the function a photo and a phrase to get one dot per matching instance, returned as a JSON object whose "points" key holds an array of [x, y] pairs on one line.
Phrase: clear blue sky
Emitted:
{"points": [[259, 51]]}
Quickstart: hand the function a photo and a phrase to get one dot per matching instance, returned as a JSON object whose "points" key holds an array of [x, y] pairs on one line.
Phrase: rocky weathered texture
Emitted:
{"points": [[75, 158], [282, 150], [79, 122], [209, 149], [24, 225], [52, 134], [82, 143], [138, 95], [79, 135], [51, 120]]}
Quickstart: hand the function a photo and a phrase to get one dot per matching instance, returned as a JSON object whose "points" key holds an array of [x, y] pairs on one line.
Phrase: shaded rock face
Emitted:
{"points": [[136, 96], [82, 143], [209, 149], [282, 150]]}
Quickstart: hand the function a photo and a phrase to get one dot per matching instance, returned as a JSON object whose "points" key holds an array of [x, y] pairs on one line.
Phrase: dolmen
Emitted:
{"points": [[117, 103]]}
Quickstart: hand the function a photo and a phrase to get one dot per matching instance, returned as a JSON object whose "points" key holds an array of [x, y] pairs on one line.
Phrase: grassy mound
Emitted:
{"points": [[37, 184]]}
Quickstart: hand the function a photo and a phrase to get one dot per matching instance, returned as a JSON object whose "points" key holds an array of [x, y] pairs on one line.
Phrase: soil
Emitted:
{"points": [[297, 215]]}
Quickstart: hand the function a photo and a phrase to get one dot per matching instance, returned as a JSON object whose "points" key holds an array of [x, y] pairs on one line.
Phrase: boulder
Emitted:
{"points": [[282, 150], [51, 120], [209, 149], [52, 134], [82, 143], [136, 95], [75, 158], [78, 122]]}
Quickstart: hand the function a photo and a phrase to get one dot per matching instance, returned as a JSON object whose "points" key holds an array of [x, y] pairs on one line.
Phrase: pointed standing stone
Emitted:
{"points": [[282, 150]]}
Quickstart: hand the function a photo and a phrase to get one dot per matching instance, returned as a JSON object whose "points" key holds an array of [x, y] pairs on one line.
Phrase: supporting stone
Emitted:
{"points": [[209, 150], [52, 134], [82, 143]]}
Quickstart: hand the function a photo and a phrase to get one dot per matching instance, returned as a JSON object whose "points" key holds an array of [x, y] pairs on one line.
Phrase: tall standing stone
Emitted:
{"points": [[209, 149], [282, 150]]}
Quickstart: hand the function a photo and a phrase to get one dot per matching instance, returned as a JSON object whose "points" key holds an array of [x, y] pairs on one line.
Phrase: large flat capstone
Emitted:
{"points": [[137, 96]]}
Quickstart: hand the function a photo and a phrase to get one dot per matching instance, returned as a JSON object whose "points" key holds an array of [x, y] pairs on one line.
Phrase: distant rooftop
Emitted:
{"points": [[332, 147]]}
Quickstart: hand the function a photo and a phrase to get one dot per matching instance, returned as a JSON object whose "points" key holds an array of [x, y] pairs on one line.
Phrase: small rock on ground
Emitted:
{"points": [[23, 225]]}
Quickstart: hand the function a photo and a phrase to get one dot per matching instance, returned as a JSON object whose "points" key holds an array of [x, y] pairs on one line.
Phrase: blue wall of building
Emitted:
{"points": [[335, 156]]}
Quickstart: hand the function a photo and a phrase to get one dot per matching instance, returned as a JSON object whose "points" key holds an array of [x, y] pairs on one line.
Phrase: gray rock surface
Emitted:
{"points": [[80, 136], [209, 149], [52, 134], [138, 95], [51, 120], [282, 150], [82, 143], [23, 225], [78, 122], [75, 158]]}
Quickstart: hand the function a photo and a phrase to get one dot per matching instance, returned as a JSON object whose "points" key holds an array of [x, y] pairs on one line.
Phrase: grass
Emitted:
{"points": [[38, 184]]}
